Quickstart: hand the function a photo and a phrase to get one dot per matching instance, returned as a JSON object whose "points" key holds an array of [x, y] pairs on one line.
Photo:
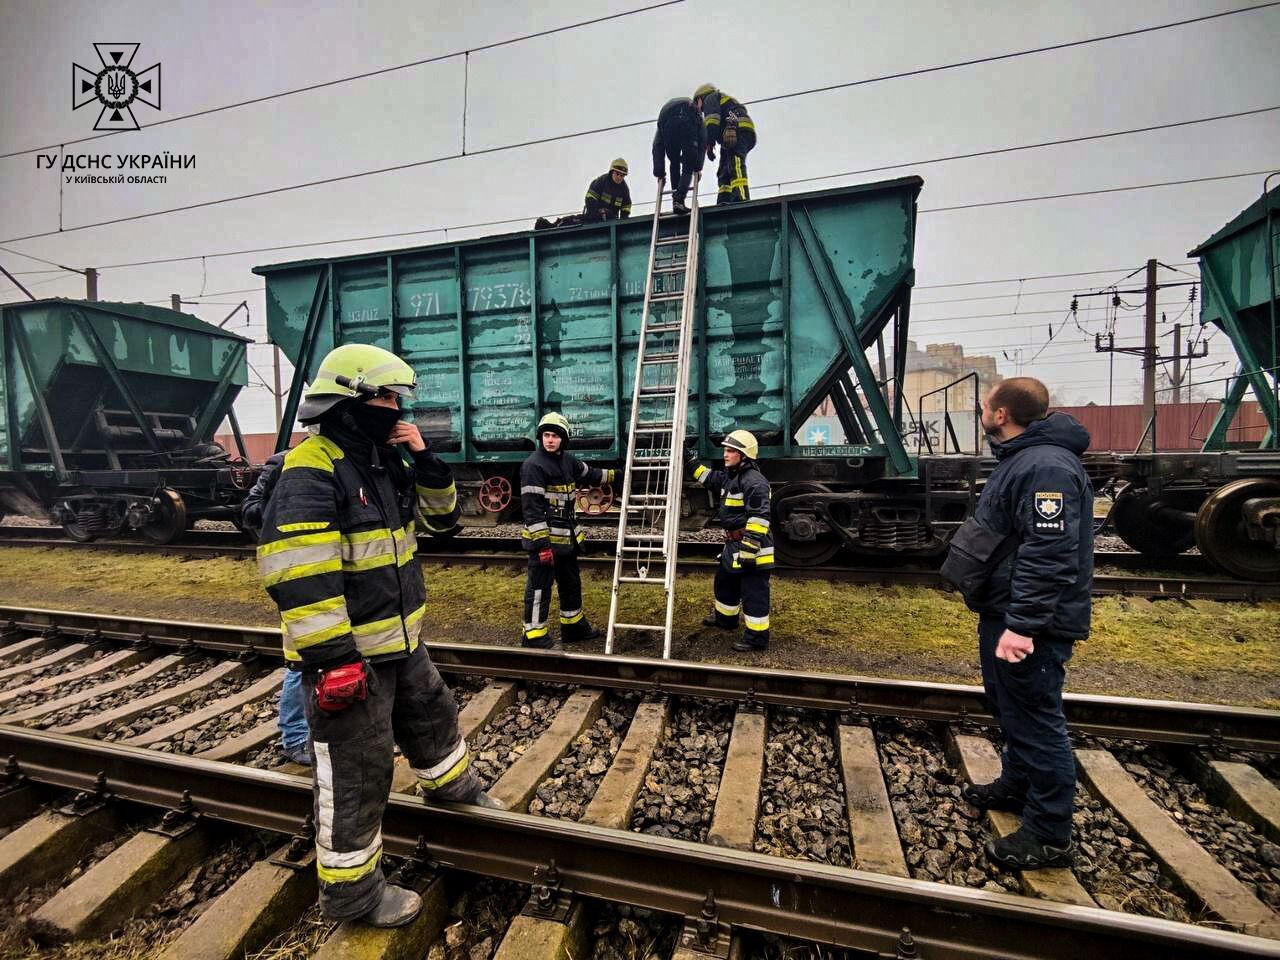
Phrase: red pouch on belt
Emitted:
{"points": [[342, 686]]}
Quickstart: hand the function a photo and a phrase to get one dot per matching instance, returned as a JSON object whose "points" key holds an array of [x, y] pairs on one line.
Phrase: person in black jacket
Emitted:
{"points": [[681, 140], [549, 481], [742, 579], [727, 124], [608, 197], [1032, 608]]}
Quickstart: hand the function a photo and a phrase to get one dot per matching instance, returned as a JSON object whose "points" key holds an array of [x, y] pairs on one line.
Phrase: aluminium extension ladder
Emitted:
{"points": [[644, 568]]}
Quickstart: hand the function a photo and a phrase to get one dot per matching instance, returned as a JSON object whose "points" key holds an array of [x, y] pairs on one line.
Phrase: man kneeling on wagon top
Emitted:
{"points": [[742, 579], [549, 481], [337, 555]]}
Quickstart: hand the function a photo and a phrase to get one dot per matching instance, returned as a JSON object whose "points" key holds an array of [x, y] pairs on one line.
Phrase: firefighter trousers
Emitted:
{"points": [[685, 160], [732, 172], [408, 704], [746, 592], [537, 601]]}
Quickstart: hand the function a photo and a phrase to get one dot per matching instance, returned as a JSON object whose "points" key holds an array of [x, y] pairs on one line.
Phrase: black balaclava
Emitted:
{"points": [[375, 422]]}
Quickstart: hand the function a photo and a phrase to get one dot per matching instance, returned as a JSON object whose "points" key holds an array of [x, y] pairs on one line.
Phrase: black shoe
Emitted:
{"points": [[1025, 851], [993, 796], [678, 207], [746, 646], [592, 633], [713, 620], [543, 643]]}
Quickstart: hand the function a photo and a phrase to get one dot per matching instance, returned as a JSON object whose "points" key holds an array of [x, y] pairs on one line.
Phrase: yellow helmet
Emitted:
{"points": [[556, 423], [743, 442], [620, 165], [703, 90], [359, 365]]}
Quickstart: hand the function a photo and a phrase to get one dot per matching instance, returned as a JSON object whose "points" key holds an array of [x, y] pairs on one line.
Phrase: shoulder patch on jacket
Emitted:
{"points": [[1048, 511]]}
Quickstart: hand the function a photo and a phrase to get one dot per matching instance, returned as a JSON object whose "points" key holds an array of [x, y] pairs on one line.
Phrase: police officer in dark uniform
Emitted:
{"points": [[549, 481], [742, 579], [1025, 564], [727, 124], [680, 140]]}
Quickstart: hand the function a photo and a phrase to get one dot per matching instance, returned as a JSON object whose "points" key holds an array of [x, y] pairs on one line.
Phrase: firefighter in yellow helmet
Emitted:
{"points": [[608, 197], [336, 554], [742, 579], [727, 124], [549, 481]]}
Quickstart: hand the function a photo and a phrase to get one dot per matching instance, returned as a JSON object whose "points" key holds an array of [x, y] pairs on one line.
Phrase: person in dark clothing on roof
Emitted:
{"points": [[608, 197], [1024, 562], [680, 140], [727, 124]]}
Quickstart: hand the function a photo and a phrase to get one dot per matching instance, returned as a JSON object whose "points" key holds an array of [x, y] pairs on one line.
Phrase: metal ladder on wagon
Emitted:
{"points": [[649, 518]]}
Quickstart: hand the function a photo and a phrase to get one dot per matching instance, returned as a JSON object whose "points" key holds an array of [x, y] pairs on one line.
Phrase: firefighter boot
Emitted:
{"points": [[397, 907]]}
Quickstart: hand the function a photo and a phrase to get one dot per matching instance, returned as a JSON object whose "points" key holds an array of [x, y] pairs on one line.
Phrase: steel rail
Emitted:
{"points": [[1163, 721], [845, 907], [495, 551]]}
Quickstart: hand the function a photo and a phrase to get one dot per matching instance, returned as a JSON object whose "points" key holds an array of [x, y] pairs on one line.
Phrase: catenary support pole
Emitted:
{"points": [[1149, 363]]}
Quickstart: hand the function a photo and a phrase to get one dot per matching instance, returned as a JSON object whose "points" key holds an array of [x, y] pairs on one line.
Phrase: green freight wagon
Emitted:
{"points": [[1225, 499], [107, 416], [797, 297]]}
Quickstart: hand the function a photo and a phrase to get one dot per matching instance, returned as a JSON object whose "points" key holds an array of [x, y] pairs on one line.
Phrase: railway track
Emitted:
{"points": [[1183, 577], [733, 801]]}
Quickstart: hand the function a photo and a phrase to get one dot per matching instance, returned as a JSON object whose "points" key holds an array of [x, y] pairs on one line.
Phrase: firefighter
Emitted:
{"points": [[549, 481], [608, 197], [680, 140], [742, 579], [337, 556], [727, 124], [295, 735]]}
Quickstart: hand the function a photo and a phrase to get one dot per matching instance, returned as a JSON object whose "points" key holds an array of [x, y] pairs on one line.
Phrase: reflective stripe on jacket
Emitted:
{"points": [[719, 111], [548, 494], [744, 505], [607, 200], [338, 544]]}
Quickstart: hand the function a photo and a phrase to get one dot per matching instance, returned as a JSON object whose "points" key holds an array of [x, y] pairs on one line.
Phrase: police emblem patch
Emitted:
{"points": [[1049, 505]]}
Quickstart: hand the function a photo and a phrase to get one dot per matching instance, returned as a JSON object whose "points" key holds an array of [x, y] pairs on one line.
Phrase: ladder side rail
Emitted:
{"points": [[631, 429]]}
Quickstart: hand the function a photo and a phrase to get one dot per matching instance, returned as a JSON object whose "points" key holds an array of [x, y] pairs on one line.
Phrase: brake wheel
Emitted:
{"points": [[594, 501], [495, 494]]}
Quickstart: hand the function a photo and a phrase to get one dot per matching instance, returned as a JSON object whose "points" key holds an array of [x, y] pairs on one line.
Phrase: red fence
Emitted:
{"points": [[1179, 426]]}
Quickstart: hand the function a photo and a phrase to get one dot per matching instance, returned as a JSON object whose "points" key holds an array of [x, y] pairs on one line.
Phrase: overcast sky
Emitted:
{"points": [[623, 70]]}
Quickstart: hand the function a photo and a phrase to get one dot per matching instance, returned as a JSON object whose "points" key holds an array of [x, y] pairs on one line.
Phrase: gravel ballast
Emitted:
{"points": [[511, 732], [679, 794], [575, 778], [802, 806], [138, 691]]}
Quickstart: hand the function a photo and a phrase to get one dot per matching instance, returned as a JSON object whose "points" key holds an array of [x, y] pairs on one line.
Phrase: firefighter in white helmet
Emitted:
{"points": [[336, 554], [549, 481], [742, 579]]}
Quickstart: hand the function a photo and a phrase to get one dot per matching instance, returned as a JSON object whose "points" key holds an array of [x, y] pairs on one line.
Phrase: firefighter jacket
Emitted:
{"points": [[680, 131], [607, 200], [255, 501], [337, 548], [548, 492], [744, 510], [720, 111]]}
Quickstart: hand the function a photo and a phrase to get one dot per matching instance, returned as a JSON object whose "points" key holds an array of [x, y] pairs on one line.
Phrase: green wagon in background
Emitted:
{"points": [[801, 298], [107, 417]]}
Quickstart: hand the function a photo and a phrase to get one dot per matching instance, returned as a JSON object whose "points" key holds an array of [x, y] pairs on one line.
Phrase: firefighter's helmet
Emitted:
{"points": [[620, 165], [359, 364], [556, 423], [703, 90], [743, 442]]}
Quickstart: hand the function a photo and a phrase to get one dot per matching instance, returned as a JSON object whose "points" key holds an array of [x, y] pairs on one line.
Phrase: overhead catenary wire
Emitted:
{"points": [[365, 75]]}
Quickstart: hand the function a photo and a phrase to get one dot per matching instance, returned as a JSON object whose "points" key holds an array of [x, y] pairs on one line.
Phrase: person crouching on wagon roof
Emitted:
{"points": [[336, 554], [549, 481], [608, 198], [742, 579]]}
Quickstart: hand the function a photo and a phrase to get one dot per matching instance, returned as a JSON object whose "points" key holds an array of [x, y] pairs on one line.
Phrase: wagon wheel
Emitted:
{"points": [[1151, 525], [594, 501], [168, 519], [1222, 534], [78, 532], [495, 494], [793, 498]]}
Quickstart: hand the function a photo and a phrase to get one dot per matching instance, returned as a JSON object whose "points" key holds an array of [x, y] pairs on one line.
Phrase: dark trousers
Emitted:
{"points": [[537, 600], [746, 592], [685, 160], [410, 705], [1026, 699], [732, 172]]}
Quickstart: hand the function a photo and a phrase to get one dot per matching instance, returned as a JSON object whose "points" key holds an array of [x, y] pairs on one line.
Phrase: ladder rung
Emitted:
{"points": [[639, 549], [661, 358], [648, 497], [656, 580], [639, 626], [666, 297], [663, 329], [670, 240], [655, 426], [656, 468], [671, 267], [644, 536], [657, 391]]}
